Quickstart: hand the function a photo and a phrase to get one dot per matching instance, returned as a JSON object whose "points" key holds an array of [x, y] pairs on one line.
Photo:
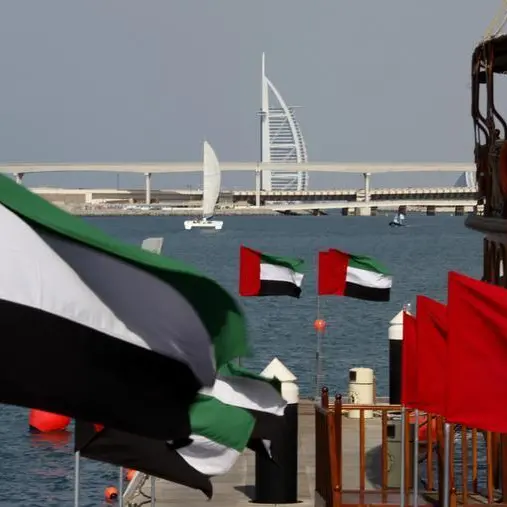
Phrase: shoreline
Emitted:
{"points": [[159, 213]]}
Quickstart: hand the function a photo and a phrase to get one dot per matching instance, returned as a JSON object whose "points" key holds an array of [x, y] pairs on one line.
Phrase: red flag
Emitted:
{"points": [[477, 351], [332, 273], [431, 355], [409, 362]]}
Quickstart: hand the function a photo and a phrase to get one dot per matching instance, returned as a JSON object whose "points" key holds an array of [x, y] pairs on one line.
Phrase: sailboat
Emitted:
{"points": [[398, 220], [210, 192]]}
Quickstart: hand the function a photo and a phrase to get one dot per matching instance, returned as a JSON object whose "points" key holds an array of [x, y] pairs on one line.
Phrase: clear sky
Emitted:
{"points": [[130, 80]]}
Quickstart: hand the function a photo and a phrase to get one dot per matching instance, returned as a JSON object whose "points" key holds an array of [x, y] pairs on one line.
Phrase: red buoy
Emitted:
{"points": [[423, 427], [111, 493], [44, 422], [320, 325]]}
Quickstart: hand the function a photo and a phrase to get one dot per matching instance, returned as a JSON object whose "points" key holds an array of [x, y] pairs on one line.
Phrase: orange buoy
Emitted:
{"points": [[319, 325], [130, 474], [44, 422], [111, 493], [423, 427]]}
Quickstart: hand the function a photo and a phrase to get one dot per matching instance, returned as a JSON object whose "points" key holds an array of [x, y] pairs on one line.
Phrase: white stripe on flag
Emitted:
{"points": [[247, 393], [276, 273], [367, 278], [209, 457]]}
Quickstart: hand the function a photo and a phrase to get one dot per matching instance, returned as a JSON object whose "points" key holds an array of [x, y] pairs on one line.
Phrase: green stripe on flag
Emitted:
{"points": [[367, 263], [286, 262], [207, 416]]}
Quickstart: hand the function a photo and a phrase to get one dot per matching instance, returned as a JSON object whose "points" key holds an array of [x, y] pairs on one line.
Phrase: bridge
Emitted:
{"points": [[367, 169], [350, 201], [457, 206], [357, 195], [21, 168]]}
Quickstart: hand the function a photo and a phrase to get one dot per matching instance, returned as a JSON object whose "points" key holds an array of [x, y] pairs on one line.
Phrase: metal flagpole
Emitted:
{"points": [[447, 463], [153, 491], [76, 478], [120, 488], [402, 473], [415, 501], [318, 366], [319, 325]]}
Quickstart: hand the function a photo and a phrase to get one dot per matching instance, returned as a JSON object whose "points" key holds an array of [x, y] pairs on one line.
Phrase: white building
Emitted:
{"points": [[467, 180], [281, 140]]}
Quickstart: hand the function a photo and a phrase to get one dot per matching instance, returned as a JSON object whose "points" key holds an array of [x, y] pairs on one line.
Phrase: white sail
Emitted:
{"points": [[211, 181]]}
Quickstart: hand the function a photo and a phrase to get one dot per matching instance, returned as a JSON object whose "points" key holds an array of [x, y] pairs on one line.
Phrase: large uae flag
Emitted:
{"points": [[355, 276], [93, 327], [269, 275], [240, 409]]}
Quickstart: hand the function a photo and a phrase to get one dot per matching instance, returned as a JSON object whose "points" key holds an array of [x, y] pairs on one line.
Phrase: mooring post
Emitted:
{"points": [[276, 479], [395, 335]]}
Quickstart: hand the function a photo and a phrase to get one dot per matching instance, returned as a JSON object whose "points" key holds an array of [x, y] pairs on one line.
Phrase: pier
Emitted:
{"points": [[349, 460]]}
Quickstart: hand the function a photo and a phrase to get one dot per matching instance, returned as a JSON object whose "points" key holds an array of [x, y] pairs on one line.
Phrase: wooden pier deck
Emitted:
{"points": [[236, 489]]}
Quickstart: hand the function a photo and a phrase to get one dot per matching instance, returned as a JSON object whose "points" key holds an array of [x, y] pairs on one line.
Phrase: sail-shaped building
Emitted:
{"points": [[467, 180], [281, 140]]}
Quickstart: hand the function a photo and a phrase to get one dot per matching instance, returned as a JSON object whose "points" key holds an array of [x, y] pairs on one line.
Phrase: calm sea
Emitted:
{"points": [[36, 471]]}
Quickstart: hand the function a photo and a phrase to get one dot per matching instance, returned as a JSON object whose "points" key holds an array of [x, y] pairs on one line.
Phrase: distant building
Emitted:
{"points": [[467, 180], [281, 140]]}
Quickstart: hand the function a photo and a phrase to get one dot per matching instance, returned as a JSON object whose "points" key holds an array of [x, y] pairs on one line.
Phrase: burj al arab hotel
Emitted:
{"points": [[281, 140]]}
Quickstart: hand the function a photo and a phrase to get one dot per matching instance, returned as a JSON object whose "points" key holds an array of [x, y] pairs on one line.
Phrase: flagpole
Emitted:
{"points": [[120, 488], [447, 462], [153, 491], [402, 472], [76, 478], [415, 501], [320, 326]]}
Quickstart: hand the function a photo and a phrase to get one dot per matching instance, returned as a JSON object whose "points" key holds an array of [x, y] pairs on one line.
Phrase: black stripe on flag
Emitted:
{"points": [[67, 368], [367, 293], [279, 288], [149, 456]]}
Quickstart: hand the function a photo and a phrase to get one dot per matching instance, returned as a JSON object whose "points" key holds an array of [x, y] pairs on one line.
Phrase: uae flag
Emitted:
{"points": [[355, 276], [94, 327], [239, 409], [269, 275]]}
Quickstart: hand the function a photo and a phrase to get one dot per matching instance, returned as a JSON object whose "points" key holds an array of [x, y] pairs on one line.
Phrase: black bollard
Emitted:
{"points": [[276, 479], [395, 347]]}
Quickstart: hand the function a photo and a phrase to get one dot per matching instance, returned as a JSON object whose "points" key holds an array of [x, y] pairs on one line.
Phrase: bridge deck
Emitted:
{"points": [[183, 167]]}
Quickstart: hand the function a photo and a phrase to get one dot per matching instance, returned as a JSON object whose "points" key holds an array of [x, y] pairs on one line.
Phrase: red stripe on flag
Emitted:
{"points": [[409, 362], [477, 351], [332, 273], [431, 326], [249, 272]]}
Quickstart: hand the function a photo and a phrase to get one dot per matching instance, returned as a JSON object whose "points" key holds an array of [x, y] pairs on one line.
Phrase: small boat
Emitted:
{"points": [[210, 193], [398, 220], [204, 223]]}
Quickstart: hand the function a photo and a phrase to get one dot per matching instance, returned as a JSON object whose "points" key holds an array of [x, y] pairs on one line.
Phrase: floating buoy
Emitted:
{"points": [[130, 474], [319, 325], [111, 493], [423, 427], [44, 422]]}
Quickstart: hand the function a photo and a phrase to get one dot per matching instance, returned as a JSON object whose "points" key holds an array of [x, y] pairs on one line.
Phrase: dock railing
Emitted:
{"points": [[358, 459]]}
